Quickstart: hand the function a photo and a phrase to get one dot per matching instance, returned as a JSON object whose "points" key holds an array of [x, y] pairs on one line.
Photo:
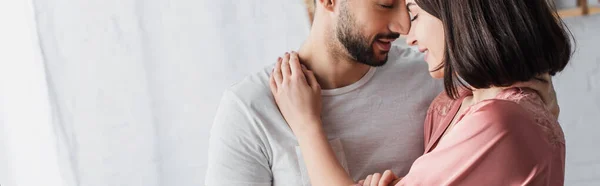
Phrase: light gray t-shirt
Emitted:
{"points": [[373, 125]]}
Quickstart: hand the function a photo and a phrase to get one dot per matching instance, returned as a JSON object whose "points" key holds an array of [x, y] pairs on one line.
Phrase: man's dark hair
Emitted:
{"points": [[496, 43]]}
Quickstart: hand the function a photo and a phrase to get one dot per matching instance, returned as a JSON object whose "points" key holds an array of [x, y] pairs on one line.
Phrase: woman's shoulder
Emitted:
{"points": [[498, 110], [515, 101], [517, 106], [530, 101], [442, 104]]}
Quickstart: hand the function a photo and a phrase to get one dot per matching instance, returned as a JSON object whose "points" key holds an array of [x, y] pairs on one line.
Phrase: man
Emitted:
{"points": [[375, 97]]}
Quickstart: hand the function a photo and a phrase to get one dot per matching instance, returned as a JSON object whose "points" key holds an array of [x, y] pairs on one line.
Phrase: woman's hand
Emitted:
{"points": [[543, 85], [386, 179], [297, 94]]}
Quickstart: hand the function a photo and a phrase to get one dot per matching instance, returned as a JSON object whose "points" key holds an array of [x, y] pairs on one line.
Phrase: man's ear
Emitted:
{"points": [[328, 5]]}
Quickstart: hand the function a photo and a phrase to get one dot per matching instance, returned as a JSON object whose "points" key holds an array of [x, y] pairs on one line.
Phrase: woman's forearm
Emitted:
{"points": [[323, 167]]}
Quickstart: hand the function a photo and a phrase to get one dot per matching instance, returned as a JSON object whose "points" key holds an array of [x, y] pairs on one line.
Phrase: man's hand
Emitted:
{"points": [[543, 85]]}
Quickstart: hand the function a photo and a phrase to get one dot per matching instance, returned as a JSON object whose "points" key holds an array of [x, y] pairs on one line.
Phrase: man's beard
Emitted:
{"points": [[357, 44]]}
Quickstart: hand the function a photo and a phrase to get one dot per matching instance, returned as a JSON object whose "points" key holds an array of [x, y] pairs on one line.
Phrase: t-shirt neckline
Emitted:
{"points": [[351, 87]]}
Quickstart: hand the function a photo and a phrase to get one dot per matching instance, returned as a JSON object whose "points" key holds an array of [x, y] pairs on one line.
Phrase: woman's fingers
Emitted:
{"points": [[272, 84], [285, 67], [272, 81], [361, 182], [543, 85], [375, 179], [311, 79], [387, 178], [295, 67], [396, 181], [305, 72], [277, 76], [368, 180]]}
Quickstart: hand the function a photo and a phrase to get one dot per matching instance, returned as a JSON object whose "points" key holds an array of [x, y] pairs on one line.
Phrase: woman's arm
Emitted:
{"points": [[498, 144], [298, 96], [321, 162]]}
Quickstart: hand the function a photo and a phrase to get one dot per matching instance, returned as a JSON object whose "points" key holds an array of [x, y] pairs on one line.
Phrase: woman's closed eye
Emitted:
{"points": [[413, 18], [411, 7]]}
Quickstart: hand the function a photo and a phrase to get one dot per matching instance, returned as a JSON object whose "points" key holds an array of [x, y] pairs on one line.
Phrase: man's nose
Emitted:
{"points": [[401, 24]]}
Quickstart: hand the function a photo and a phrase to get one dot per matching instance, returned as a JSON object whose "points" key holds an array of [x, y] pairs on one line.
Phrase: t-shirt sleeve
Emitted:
{"points": [[499, 144], [236, 153]]}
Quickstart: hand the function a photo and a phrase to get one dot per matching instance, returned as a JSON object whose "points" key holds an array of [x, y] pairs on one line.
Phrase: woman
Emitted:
{"points": [[481, 130]]}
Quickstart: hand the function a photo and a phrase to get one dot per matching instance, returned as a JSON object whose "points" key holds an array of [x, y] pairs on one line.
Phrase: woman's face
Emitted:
{"points": [[427, 32]]}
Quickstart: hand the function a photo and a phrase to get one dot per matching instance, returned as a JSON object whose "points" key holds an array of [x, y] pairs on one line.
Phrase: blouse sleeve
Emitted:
{"points": [[496, 144]]}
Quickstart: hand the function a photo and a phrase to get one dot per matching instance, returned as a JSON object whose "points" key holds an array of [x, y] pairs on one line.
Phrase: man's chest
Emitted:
{"points": [[364, 143]]}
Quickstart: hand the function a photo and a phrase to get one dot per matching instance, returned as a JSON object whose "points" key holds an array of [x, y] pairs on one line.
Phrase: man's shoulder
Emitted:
{"points": [[254, 88], [243, 105]]}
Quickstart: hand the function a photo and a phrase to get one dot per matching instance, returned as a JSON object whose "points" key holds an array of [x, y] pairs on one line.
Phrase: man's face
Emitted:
{"points": [[367, 28]]}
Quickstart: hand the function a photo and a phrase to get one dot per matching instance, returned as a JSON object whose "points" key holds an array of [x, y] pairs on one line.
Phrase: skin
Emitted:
{"points": [[367, 21], [327, 56], [427, 32], [298, 77], [339, 26], [297, 93]]}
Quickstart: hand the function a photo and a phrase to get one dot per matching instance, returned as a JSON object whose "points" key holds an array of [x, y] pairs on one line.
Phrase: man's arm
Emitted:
{"points": [[236, 155]]}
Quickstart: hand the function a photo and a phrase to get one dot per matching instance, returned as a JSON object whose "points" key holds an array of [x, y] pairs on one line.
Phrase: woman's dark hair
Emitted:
{"points": [[496, 43]]}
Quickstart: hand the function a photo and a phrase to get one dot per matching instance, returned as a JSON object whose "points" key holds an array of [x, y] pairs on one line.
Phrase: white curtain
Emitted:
{"points": [[134, 84], [28, 153], [123, 92]]}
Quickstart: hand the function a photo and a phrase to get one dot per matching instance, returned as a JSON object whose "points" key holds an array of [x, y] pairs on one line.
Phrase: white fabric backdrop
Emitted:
{"points": [[28, 150], [134, 84]]}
